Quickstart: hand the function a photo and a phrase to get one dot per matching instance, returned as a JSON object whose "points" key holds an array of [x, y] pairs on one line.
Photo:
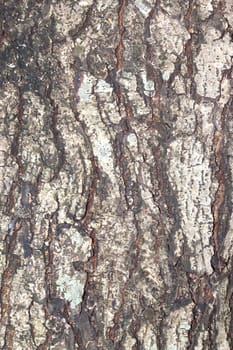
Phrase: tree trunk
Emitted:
{"points": [[116, 175]]}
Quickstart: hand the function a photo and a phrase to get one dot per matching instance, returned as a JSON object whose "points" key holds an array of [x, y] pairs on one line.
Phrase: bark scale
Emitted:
{"points": [[116, 175]]}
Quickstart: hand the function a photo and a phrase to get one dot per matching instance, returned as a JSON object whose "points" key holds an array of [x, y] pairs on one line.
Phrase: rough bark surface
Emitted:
{"points": [[116, 156]]}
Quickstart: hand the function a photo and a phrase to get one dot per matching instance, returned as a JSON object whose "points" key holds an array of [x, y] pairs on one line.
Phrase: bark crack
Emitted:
{"points": [[58, 142]]}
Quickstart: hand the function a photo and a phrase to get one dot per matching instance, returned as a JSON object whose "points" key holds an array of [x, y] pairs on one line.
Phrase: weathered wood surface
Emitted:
{"points": [[116, 175]]}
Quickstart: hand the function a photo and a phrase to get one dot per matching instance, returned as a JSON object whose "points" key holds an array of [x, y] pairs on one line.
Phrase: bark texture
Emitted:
{"points": [[116, 157]]}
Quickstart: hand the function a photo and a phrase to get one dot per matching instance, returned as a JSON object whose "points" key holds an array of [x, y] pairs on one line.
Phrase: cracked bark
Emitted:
{"points": [[116, 175]]}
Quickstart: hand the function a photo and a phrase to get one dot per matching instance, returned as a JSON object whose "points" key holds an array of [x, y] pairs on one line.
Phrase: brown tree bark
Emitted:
{"points": [[116, 175]]}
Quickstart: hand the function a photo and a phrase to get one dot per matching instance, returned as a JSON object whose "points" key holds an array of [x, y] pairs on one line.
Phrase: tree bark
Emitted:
{"points": [[116, 175]]}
